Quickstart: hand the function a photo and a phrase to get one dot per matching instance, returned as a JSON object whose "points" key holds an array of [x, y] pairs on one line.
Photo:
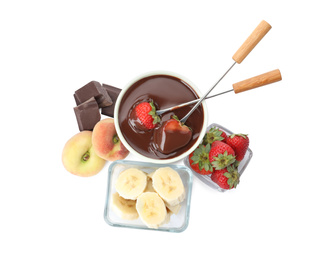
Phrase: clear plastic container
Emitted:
{"points": [[206, 178], [177, 223]]}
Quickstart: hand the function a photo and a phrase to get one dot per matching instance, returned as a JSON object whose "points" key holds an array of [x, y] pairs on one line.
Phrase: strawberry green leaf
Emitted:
{"points": [[153, 113], [214, 134], [208, 147], [223, 160], [227, 174], [236, 163], [175, 117], [180, 123], [201, 156], [242, 135], [233, 176]]}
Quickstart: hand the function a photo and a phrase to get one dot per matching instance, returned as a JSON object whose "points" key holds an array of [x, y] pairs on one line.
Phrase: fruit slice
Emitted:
{"points": [[149, 185], [151, 209], [126, 209], [167, 219], [174, 209], [171, 136], [131, 183], [150, 175], [168, 184]]}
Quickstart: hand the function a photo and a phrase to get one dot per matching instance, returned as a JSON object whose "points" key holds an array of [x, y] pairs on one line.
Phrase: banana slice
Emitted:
{"points": [[168, 184], [174, 209], [126, 209], [151, 209], [167, 219], [149, 185], [131, 183], [150, 175]]}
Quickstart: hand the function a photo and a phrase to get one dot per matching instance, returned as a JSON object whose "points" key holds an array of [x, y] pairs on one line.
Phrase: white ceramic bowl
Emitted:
{"points": [[126, 144]]}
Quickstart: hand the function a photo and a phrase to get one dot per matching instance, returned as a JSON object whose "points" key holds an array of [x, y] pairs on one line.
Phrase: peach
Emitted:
{"points": [[106, 141], [79, 157]]}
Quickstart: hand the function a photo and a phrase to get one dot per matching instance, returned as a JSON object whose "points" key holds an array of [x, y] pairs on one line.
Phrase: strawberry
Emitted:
{"points": [[214, 134], [199, 160], [240, 144], [226, 178], [221, 155], [146, 114], [171, 136]]}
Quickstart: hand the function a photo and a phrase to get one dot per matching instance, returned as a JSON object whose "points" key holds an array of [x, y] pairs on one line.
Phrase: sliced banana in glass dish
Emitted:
{"points": [[148, 196]]}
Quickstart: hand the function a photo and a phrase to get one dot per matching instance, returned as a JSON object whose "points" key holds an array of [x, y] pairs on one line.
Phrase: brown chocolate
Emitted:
{"points": [[113, 92], [87, 114], [165, 91], [93, 89], [168, 139]]}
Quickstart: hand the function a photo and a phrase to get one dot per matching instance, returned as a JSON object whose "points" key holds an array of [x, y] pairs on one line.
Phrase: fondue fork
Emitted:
{"points": [[249, 44], [248, 84]]}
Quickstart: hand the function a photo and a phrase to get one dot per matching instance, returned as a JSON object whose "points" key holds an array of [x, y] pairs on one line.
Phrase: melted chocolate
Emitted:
{"points": [[167, 140], [165, 91]]}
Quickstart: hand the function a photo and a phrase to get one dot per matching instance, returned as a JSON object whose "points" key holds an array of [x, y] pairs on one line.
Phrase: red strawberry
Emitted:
{"points": [[171, 136], [221, 155], [214, 134], [145, 112], [240, 144], [226, 178], [199, 160]]}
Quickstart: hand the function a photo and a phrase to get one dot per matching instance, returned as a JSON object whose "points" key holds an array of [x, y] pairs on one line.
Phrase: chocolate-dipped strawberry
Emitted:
{"points": [[171, 136]]}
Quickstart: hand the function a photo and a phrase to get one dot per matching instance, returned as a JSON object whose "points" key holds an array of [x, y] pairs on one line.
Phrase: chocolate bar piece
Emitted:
{"points": [[113, 93], [93, 89], [87, 114]]}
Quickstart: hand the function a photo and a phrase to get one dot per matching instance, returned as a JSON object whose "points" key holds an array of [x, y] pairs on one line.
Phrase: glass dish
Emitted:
{"points": [[177, 223], [206, 178]]}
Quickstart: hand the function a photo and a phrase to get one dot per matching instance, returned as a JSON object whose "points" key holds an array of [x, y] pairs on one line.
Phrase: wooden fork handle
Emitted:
{"points": [[258, 81], [253, 39]]}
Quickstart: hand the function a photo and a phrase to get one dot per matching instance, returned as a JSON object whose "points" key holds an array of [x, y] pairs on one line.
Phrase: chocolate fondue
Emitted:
{"points": [[165, 91]]}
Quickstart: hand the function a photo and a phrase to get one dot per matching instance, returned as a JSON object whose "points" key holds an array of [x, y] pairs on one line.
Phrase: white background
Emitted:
{"points": [[51, 48]]}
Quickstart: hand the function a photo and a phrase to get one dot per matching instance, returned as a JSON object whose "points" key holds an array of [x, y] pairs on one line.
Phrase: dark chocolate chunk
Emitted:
{"points": [[113, 93], [93, 89], [76, 99], [87, 114]]}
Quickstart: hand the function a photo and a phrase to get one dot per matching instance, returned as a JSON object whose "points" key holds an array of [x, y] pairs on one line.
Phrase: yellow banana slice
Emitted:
{"points": [[150, 175], [168, 184], [149, 185], [167, 219], [126, 209], [131, 183], [174, 209], [151, 209]]}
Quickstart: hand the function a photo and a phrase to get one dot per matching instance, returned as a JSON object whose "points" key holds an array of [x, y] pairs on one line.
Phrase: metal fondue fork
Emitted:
{"points": [[253, 39], [248, 84], [162, 111]]}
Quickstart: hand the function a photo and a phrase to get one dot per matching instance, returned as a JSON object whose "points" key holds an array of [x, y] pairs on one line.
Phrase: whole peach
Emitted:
{"points": [[79, 157], [106, 141]]}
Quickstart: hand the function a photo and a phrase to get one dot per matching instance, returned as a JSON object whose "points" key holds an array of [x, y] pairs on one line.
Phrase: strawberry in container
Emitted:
{"points": [[221, 158]]}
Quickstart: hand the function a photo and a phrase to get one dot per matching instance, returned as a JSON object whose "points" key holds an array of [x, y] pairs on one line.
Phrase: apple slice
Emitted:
{"points": [[79, 157]]}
